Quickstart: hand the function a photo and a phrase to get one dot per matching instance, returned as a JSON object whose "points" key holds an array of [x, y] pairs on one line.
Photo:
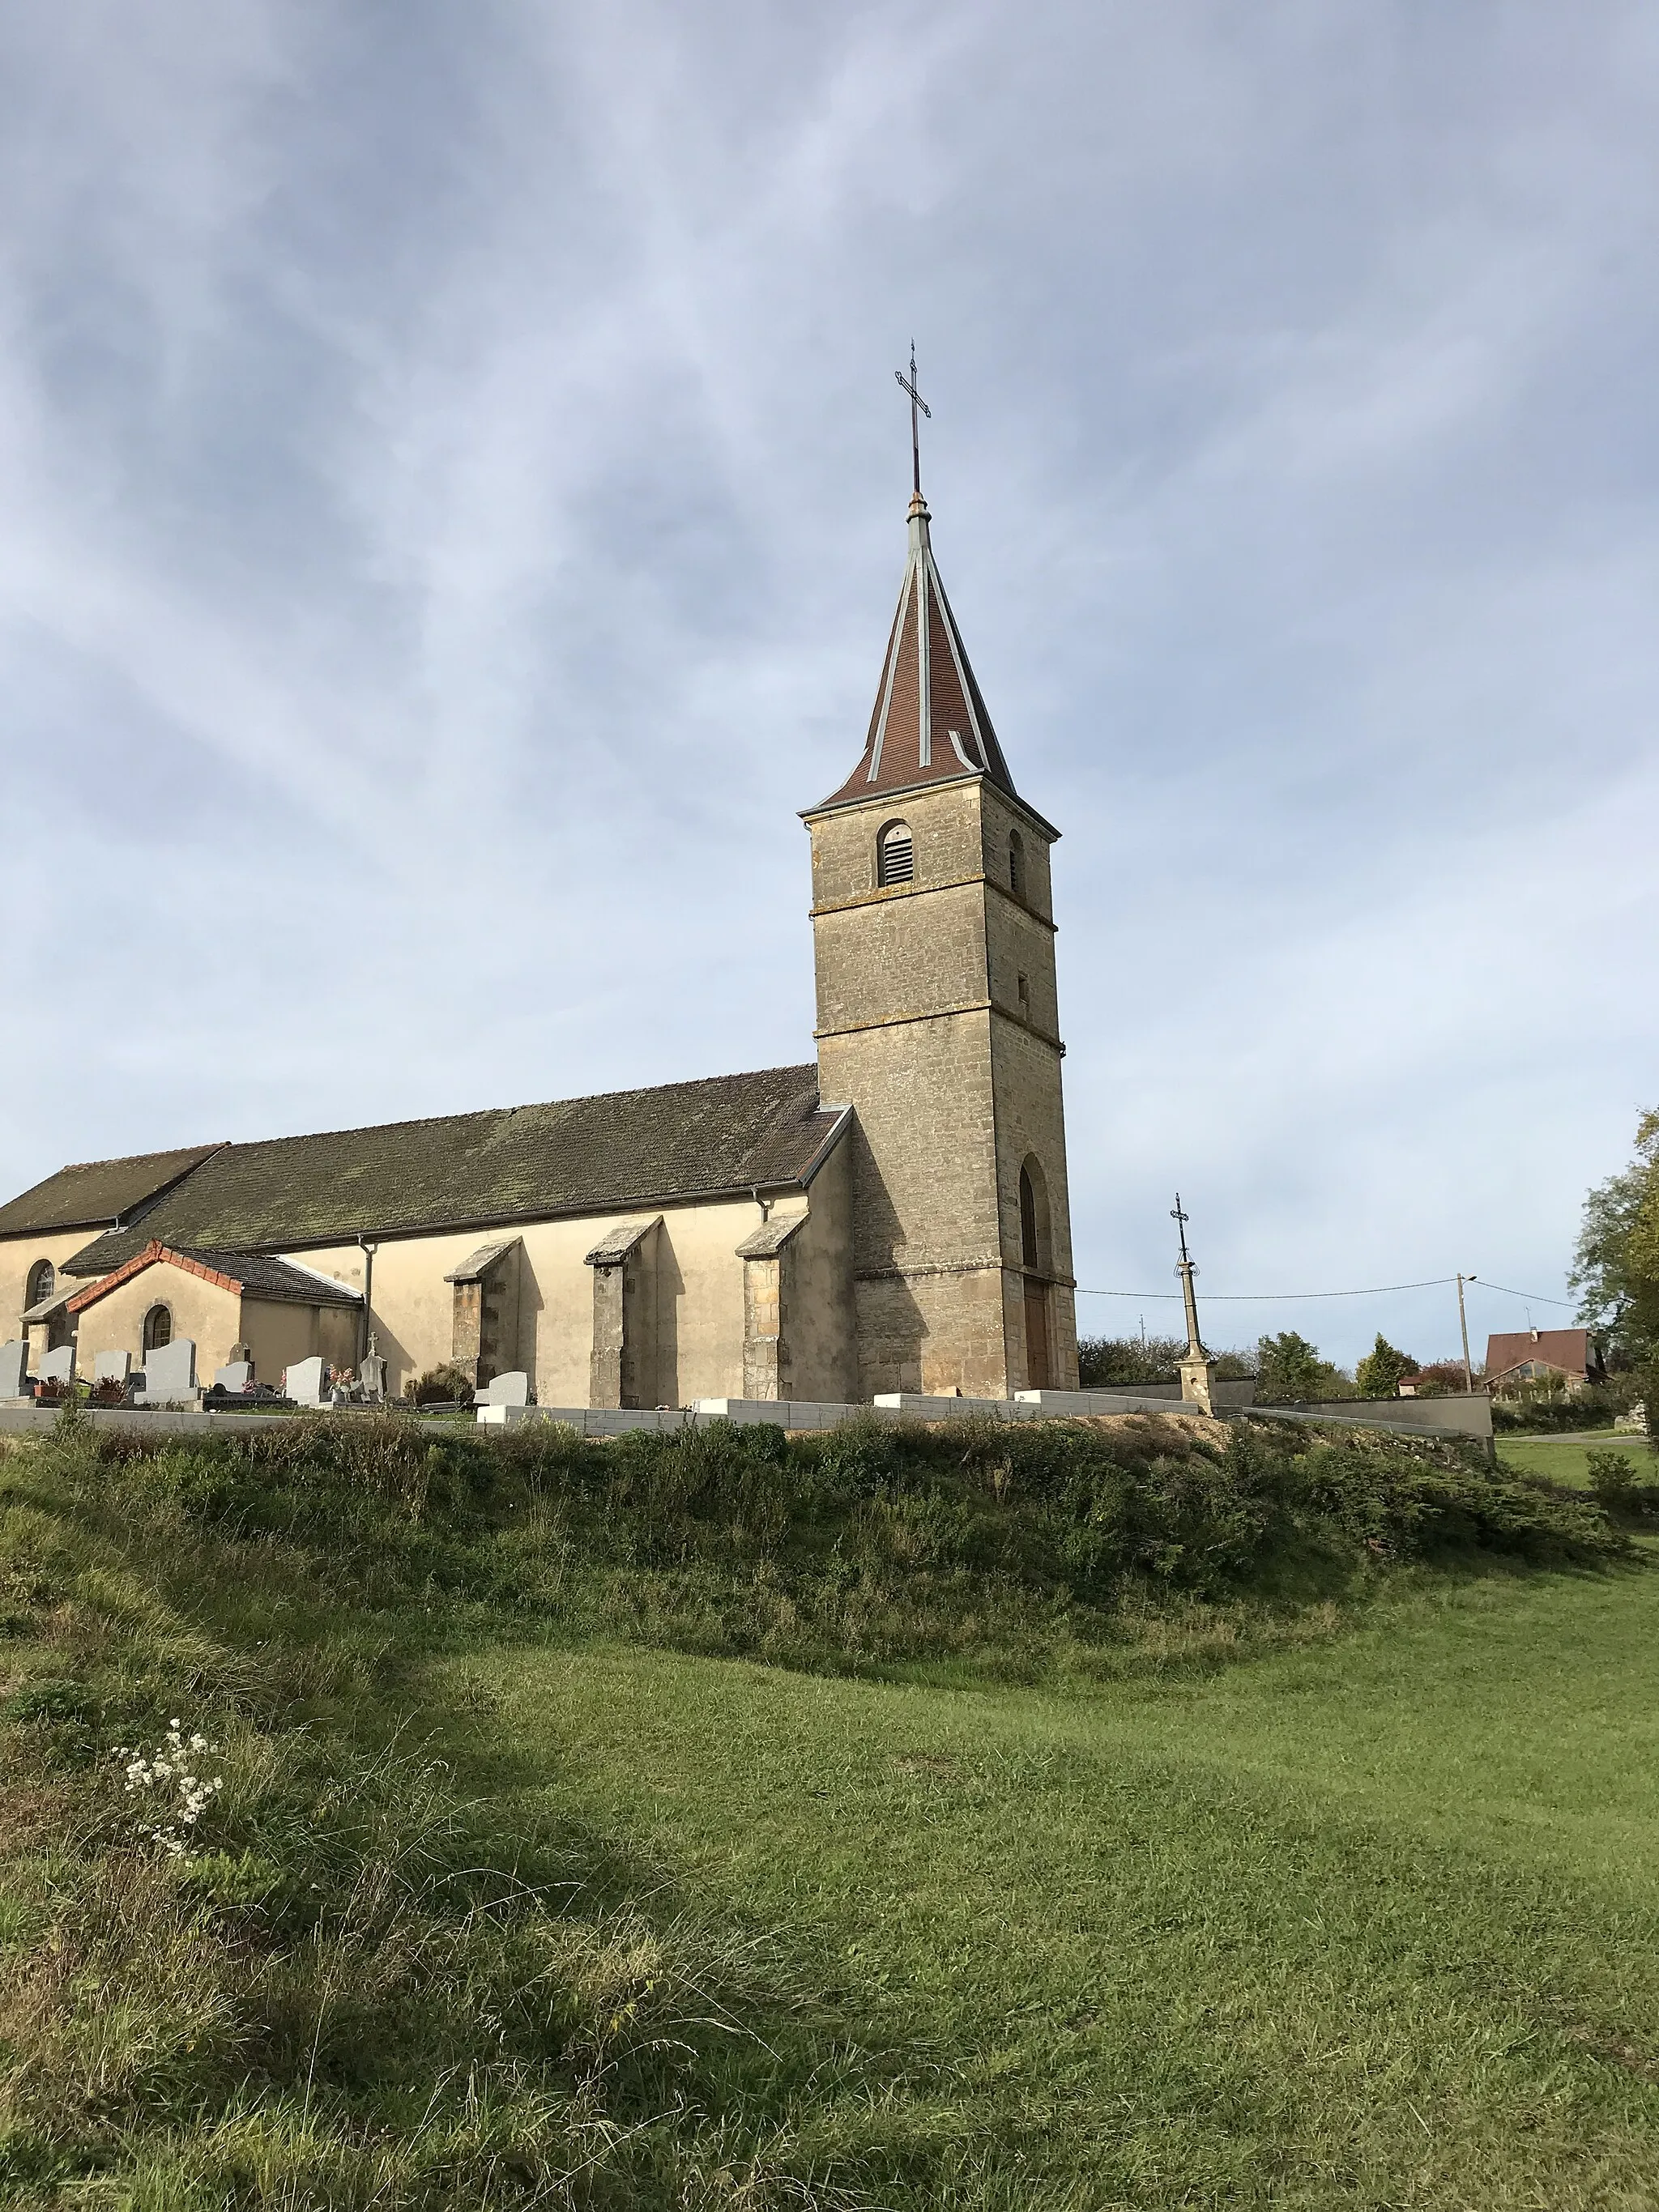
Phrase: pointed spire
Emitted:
{"points": [[930, 724]]}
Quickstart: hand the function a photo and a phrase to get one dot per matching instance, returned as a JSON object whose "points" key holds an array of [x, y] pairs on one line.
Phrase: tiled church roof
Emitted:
{"points": [[930, 723], [97, 1190], [574, 1156]]}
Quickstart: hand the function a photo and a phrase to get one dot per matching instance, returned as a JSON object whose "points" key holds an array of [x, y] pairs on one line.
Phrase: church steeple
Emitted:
{"points": [[938, 1026], [929, 724]]}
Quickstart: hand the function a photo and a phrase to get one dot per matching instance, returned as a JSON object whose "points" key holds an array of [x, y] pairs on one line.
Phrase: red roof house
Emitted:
{"points": [[1529, 1355]]}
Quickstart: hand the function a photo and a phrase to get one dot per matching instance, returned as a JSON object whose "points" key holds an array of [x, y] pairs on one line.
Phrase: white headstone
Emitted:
{"points": [[512, 1390], [170, 1371], [372, 1376], [58, 1365], [14, 1366], [303, 1382], [112, 1367], [236, 1377]]}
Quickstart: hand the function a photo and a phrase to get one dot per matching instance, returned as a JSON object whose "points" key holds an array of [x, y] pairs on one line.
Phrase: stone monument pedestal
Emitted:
{"points": [[1197, 1382]]}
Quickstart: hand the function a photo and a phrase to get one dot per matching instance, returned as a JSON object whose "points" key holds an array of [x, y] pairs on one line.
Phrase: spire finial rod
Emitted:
{"points": [[917, 403]]}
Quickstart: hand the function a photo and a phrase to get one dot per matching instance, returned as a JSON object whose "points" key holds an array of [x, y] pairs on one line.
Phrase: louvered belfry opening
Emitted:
{"points": [[895, 856]]}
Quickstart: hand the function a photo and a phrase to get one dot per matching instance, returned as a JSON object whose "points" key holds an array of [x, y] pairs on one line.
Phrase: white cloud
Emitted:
{"points": [[450, 498]]}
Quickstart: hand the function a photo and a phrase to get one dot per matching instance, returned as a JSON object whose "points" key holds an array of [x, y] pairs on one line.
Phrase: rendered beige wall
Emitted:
{"points": [[17, 1257], [277, 1336], [698, 1292], [210, 1316]]}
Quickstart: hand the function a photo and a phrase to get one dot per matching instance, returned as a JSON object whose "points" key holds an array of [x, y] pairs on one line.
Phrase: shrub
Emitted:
{"points": [[440, 1386], [870, 1545], [1562, 1411], [1618, 1486], [1108, 1362], [1118, 1363]]}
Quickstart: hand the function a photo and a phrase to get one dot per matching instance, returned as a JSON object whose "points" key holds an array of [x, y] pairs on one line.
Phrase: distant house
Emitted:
{"points": [[1534, 1355]]}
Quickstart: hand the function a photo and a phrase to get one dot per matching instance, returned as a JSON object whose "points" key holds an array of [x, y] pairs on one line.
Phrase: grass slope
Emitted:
{"points": [[1114, 1822], [1565, 1460]]}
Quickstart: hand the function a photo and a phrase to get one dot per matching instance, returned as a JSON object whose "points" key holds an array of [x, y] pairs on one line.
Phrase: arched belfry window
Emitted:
{"points": [[896, 856], [42, 1282], [158, 1327], [1015, 863]]}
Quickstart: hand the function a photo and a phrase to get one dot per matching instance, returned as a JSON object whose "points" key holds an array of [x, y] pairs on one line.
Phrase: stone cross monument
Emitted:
{"points": [[1197, 1368]]}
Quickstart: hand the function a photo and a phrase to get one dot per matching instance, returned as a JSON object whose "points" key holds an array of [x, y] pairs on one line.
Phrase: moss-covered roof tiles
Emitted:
{"points": [[625, 1148], [98, 1190]]}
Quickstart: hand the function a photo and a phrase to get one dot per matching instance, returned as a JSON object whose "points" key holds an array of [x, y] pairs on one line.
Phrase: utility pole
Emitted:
{"points": [[1463, 1324]]}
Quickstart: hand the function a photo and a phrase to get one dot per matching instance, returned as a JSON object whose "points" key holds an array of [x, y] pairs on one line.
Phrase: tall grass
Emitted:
{"points": [[354, 1989]]}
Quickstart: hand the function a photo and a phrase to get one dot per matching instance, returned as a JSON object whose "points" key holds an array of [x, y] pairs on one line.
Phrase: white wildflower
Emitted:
{"points": [[185, 1795]]}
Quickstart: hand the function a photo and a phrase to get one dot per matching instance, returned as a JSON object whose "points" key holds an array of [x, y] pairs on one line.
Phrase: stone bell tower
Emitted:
{"points": [[938, 1022]]}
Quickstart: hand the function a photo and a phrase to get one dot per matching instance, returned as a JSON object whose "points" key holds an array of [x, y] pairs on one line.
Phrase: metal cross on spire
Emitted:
{"points": [[916, 402]]}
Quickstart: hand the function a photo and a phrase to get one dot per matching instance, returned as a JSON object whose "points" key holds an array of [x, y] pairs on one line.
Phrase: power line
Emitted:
{"points": [[1272, 1297], [1535, 1297], [1282, 1297]]}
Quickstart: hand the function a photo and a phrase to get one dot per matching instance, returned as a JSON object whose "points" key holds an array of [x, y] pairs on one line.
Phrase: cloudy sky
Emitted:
{"points": [[451, 494]]}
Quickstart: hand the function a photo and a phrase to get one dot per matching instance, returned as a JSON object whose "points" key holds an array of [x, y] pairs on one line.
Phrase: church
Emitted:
{"points": [[888, 1216]]}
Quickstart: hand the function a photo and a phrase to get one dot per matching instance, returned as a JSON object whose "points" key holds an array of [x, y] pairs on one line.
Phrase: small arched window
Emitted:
{"points": [[1015, 863], [42, 1282], [1027, 1225], [1034, 1247], [158, 1327], [896, 857]]}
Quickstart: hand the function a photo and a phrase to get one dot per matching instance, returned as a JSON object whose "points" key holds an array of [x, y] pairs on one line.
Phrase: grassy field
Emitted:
{"points": [[1565, 1459], [1371, 1925], [1309, 1860]]}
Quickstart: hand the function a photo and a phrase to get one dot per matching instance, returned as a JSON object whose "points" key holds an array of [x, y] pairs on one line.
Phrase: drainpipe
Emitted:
{"points": [[363, 1328], [764, 1204]]}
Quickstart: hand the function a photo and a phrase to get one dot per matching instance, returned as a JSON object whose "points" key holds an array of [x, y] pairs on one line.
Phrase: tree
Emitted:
{"points": [[1380, 1372], [1615, 1267], [1289, 1367], [1441, 1379], [1117, 1363]]}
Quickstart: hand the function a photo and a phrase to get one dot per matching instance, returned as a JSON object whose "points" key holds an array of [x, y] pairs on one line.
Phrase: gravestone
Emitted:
{"points": [[14, 1366], [512, 1390], [58, 1366], [170, 1372], [112, 1366], [371, 1377], [236, 1377], [303, 1381]]}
